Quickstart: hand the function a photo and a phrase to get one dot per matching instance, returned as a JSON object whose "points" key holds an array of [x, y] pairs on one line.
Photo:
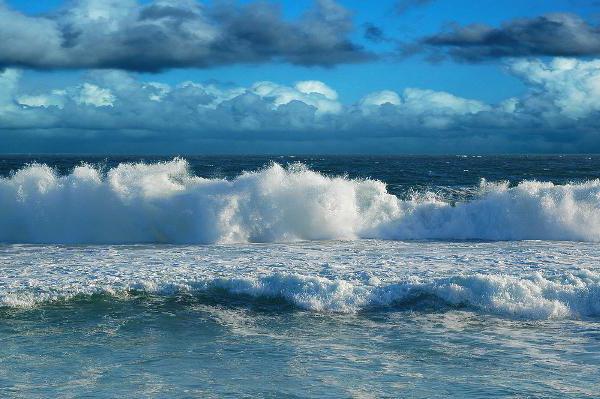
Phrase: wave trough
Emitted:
{"points": [[165, 203]]}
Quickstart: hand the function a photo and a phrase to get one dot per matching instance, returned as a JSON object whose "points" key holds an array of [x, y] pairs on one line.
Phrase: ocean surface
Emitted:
{"points": [[317, 277]]}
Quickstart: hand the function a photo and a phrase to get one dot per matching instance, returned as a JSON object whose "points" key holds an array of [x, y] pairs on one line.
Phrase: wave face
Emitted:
{"points": [[572, 295], [165, 203], [530, 280]]}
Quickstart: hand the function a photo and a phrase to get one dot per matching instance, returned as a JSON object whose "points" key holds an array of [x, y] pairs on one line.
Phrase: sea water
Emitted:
{"points": [[300, 276]]}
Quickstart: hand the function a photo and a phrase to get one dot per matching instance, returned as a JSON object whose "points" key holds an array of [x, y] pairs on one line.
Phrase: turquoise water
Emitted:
{"points": [[145, 281], [185, 348]]}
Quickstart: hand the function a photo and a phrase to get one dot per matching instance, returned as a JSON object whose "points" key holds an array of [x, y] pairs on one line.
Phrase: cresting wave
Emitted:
{"points": [[572, 295], [165, 203]]}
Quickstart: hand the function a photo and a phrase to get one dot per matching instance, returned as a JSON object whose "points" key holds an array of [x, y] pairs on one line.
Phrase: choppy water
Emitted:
{"points": [[339, 277]]}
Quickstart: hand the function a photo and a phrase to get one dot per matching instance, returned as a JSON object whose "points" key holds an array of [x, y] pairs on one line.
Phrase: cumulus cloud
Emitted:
{"points": [[420, 101], [313, 93], [429, 108], [558, 34], [115, 111], [162, 34], [93, 95], [379, 98], [565, 87], [54, 98]]}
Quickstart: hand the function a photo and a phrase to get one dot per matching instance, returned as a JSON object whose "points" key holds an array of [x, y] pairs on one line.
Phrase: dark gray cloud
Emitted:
{"points": [[548, 35], [112, 111], [404, 6], [374, 33], [166, 34]]}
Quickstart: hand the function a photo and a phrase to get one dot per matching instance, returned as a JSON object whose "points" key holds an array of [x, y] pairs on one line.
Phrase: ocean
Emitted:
{"points": [[300, 277]]}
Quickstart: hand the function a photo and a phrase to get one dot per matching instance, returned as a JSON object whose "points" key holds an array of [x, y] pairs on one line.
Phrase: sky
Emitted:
{"points": [[302, 76]]}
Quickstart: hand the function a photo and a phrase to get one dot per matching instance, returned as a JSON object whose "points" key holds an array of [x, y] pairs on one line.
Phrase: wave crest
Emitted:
{"points": [[164, 203], [529, 297]]}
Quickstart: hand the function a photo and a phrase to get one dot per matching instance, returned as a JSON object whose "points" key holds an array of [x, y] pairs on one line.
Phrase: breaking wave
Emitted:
{"points": [[572, 295], [165, 203]]}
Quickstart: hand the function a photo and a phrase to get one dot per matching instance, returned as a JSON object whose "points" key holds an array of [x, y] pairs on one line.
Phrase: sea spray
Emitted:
{"points": [[164, 203]]}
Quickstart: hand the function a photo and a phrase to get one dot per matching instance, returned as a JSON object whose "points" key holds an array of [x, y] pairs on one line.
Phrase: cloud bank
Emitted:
{"points": [[162, 34], [559, 34], [113, 111]]}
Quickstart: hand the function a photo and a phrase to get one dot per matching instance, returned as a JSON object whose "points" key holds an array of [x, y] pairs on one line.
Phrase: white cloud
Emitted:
{"points": [[213, 95], [509, 105], [316, 87], [432, 109], [90, 94], [381, 97], [56, 98], [313, 93], [563, 86], [422, 101], [158, 90], [437, 109]]}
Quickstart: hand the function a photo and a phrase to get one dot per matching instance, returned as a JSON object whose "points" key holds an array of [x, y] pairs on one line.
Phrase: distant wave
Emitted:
{"points": [[572, 295], [164, 203]]}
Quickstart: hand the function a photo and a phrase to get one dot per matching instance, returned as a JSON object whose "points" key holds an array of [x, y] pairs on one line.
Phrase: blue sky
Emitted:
{"points": [[492, 76]]}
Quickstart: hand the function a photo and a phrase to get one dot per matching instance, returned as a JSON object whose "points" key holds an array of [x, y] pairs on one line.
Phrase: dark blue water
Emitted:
{"points": [[399, 173]]}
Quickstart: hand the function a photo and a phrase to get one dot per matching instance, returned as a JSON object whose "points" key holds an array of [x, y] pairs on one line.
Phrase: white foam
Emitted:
{"points": [[529, 297], [165, 203]]}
